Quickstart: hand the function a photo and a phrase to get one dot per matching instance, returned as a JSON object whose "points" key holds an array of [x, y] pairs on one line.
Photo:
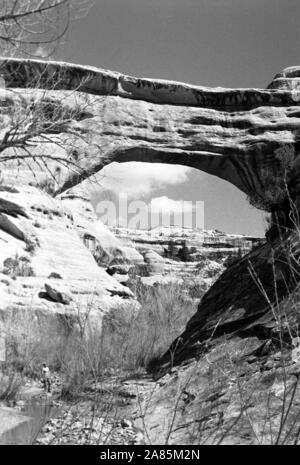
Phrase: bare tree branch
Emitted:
{"points": [[26, 25], [34, 119]]}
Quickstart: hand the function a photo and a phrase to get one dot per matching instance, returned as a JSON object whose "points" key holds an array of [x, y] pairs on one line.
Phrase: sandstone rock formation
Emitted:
{"points": [[154, 261], [102, 243], [230, 133], [58, 294], [235, 361], [48, 272], [233, 394], [235, 134], [252, 298], [208, 250]]}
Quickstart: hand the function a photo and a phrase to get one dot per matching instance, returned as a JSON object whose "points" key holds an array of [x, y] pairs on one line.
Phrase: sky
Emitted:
{"points": [[229, 43]]}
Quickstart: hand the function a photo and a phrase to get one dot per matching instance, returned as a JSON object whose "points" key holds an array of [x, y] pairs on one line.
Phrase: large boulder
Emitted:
{"points": [[155, 263], [58, 293]]}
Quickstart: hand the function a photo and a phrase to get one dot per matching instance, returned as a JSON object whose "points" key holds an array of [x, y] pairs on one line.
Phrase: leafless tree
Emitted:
{"points": [[40, 131], [31, 118], [27, 26]]}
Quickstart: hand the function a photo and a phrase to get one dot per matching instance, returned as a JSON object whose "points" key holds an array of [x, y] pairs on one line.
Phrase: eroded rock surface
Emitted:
{"points": [[49, 272], [234, 393], [253, 297], [231, 133], [234, 134], [164, 261]]}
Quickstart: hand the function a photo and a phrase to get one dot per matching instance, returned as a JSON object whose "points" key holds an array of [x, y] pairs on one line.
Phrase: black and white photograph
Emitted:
{"points": [[149, 226]]}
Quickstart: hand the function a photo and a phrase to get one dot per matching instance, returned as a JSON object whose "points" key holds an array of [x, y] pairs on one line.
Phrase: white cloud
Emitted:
{"points": [[166, 205], [140, 179], [42, 51]]}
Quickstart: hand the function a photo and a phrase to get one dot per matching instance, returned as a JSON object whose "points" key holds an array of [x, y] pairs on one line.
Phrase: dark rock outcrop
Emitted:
{"points": [[248, 299]]}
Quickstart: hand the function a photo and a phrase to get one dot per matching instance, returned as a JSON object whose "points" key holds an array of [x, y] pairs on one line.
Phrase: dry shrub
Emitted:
{"points": [[128, 340], [30, 341], [84, 353], [10, 384], [130, 343]]}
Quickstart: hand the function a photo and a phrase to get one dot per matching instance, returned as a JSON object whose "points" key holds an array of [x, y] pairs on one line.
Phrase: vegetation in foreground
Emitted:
{"points": [[258, 397], [83, 353]]}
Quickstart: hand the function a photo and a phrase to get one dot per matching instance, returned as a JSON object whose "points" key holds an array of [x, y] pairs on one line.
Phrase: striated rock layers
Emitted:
{"points": [[231, 133], [48, 274], [206, 252], [239, 135]]}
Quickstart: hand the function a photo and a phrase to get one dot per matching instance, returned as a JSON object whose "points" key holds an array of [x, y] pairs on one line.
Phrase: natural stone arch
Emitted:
{"points": [[234, 134], [230, 133]]}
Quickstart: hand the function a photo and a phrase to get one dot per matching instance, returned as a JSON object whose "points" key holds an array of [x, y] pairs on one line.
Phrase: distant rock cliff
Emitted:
{"points": [[182, 254]]}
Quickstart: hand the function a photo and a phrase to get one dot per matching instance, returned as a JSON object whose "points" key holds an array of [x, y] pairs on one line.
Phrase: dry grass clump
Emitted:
{"points": [[129, 340], [10, 384], [82, 352]]}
